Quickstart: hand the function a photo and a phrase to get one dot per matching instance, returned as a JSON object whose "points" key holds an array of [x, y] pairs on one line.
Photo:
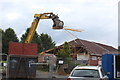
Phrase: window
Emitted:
{"points": [[85, 73], [94, 58]]}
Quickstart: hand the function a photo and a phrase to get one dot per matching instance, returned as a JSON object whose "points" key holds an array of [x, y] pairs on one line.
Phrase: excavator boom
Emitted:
{"points": [[58, 24]]}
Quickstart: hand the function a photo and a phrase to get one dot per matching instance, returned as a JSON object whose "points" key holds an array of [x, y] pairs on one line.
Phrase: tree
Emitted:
{"points": [[64, 53], [8, 36], [118, 48], [35, 39], [46, 42], [1, 32]]}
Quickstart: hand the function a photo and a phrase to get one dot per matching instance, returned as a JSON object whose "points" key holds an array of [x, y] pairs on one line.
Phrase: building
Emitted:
{"points": [[86, 52], [44, 58]]}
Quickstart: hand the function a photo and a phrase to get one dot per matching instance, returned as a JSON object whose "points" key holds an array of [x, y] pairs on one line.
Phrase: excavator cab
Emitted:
{"points": [[57, 23]]}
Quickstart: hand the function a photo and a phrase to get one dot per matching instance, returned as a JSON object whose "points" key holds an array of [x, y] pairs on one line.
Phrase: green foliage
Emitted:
{"points": [[65, 52], [118, 48], [34, 40], [8, 36], [44, 41], [1, 32], [35, 37]]}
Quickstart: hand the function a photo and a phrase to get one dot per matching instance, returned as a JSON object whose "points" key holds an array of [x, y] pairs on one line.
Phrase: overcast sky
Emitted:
{"points": [[99, 18]]}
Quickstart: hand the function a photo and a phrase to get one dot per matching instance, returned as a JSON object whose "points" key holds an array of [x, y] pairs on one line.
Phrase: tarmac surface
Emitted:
{"points": [[40, 75]]}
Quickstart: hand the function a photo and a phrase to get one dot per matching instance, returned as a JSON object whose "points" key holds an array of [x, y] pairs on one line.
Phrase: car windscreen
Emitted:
{"points": [[85, 73]]}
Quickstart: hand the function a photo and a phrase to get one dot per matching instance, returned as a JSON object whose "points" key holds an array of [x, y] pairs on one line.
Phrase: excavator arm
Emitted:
{"points": [[57, 24]]}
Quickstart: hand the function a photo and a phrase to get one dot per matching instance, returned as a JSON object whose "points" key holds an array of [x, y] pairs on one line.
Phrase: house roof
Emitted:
{"points": [[91, 47]]}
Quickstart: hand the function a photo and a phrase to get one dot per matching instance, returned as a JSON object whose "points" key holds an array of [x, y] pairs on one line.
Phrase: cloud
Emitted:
{"points": [[97, 17], [12, 16]]}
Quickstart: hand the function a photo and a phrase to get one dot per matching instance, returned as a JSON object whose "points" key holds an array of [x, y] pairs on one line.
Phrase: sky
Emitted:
{"points": [[98, 18]]}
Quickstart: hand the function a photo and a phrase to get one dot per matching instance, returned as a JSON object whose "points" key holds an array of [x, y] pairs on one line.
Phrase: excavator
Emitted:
{"points": [[20, 53], [57, 24]]}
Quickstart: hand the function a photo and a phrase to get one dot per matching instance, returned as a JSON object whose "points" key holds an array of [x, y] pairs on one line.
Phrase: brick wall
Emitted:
{"points": [[93, 61]]}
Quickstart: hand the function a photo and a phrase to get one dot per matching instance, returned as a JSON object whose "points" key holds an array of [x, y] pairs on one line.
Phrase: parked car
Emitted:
{"points": [[87, 73]]}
